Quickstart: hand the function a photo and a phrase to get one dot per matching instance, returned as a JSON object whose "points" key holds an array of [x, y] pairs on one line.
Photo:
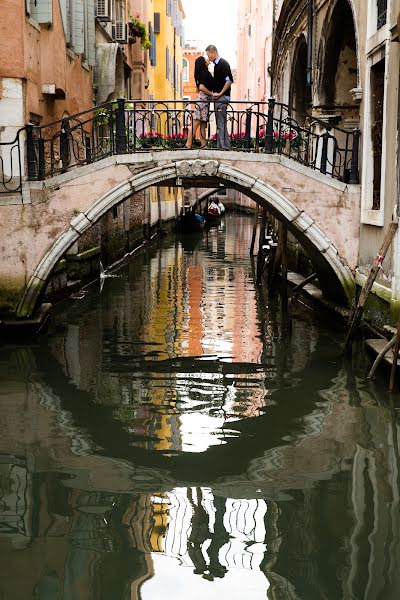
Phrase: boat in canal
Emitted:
{"points": [[191, 222], [213, 214]]}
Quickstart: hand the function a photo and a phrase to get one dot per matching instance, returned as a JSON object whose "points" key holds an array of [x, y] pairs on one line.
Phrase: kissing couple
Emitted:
{"points": [[211, 88]]}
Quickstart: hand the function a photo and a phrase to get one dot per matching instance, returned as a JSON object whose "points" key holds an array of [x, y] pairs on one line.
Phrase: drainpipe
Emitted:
{"points": [[310, 51], [273, 35]]}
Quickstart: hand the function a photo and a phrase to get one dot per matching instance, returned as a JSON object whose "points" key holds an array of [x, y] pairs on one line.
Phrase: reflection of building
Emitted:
{"points": [[88, 524]]}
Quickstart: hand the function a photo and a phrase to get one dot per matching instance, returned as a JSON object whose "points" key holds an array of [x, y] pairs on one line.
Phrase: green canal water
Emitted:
{"points": [[165, 441]]}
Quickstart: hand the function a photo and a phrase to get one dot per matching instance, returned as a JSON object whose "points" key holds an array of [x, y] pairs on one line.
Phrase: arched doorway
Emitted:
{"points": [[298, 83], [339, 66]]}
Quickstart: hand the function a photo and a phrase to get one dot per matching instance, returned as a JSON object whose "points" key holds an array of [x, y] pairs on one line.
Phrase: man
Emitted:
{"points": [[222, 94]]}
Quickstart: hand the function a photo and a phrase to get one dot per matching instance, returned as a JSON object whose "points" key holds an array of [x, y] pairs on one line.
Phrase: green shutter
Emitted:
{"points": [[91, 34], [42, 11], [79, 27], [65, 17]]}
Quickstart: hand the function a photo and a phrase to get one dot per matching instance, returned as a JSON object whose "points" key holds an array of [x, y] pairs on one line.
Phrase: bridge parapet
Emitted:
{"points": [[140, 126]]}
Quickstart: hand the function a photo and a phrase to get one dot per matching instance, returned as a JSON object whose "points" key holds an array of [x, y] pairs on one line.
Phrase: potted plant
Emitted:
{"points": [[151, 139], [176, 140], [137, 29]]}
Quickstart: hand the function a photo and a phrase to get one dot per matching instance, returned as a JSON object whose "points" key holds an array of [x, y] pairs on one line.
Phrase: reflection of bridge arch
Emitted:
{"points": [[334, 273]]}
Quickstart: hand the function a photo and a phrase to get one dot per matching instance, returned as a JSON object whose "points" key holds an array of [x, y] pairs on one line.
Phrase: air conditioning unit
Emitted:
{"points": [[103, 10], [120, 32]]}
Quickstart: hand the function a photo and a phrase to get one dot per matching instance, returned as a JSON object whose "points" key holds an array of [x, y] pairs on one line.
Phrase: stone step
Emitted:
{"points": [[377, 345]]}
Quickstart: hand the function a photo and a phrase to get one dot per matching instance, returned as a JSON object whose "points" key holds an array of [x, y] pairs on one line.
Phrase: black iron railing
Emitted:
{"points": [[135, 126], [11, 164]]}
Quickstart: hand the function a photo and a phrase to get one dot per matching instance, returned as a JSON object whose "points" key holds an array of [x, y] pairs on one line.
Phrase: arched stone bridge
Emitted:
{"points": [[321, 212]]}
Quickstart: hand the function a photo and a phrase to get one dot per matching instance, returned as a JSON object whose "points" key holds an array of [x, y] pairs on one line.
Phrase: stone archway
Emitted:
{"points": [[339, 66], [334, 273], [298, 83]]}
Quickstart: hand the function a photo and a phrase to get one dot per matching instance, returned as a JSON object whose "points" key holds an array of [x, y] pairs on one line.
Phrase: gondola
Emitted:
{"points": [[212, 220], [189, 222]]}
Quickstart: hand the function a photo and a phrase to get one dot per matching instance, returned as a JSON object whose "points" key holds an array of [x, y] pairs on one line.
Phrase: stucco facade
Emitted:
{"points": [[254, 50], [42, 77]]}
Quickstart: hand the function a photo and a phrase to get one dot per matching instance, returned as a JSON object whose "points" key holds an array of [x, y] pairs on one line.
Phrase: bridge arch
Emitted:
{"points": [[334, 274]]}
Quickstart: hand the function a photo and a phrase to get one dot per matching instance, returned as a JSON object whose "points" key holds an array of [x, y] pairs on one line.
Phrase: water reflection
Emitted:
{"points": [[167, 441]]}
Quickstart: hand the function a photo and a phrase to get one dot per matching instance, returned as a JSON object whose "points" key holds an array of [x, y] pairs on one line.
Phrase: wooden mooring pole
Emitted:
{"points": [[358, 308], [261, 254], [255, 225], [284, 274]]}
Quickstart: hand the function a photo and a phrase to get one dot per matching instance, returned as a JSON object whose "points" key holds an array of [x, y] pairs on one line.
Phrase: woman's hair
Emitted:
{"points": [[200, 68]]}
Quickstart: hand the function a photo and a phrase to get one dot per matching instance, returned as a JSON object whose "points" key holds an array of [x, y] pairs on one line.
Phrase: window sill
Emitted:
{"points": [[377, 39], [71, 54], [85, 66], [34, 24], [372, 217]]}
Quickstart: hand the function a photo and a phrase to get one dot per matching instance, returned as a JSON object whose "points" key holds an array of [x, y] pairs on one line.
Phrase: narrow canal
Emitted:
{"points": [[165, 441]]}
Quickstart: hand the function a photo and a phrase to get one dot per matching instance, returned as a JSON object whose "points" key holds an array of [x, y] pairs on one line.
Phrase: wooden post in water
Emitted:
{"points": [[261, 257], [159, 208], [395, 358], [255, 225], [284, 273], [358, 308]]}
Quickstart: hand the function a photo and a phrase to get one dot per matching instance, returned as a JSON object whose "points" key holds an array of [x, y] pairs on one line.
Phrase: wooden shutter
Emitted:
{"points": [[78, 16], [91, 51], [157, 22]]}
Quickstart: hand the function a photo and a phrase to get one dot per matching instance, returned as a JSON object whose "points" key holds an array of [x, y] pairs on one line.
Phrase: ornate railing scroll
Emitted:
{"points": [[11, 164]]}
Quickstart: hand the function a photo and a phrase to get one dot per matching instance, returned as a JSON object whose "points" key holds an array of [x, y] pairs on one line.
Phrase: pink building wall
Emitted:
{"points": [[254, 50]]}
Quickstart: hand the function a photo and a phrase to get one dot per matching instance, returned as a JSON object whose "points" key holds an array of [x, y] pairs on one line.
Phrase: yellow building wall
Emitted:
{"points": [[167, 87], [162, 87]]}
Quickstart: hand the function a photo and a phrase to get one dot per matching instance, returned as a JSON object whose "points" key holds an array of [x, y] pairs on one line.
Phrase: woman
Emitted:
{"points": [[204, 84]]}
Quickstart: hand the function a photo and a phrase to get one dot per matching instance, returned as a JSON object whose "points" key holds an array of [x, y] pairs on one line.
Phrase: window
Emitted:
{"points": [[169, 3], [377, 108], [40, 11], [78, 18], [153, 47], [381, 13], [157, 22], [185, 69], [119, 11]]}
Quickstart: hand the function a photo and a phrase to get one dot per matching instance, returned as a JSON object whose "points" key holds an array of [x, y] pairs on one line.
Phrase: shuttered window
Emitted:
{"points": [[153, 47], [91, 50], [40, 11], [78, 17]]}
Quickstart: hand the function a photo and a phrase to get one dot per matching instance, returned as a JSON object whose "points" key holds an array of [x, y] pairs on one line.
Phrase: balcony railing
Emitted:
{"points": [[126, 127], [381, 13]]}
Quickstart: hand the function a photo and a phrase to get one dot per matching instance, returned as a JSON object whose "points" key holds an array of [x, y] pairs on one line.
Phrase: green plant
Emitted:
{"points": [[137, 29]]}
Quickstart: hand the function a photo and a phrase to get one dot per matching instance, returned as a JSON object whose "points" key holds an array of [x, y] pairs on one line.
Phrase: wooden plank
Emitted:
{"points": [[358, 309]]}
